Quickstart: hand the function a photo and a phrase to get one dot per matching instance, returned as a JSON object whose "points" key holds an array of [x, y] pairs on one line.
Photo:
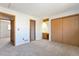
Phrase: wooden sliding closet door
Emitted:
{"points": [[66, 29], [56, 30], [71, 30]]}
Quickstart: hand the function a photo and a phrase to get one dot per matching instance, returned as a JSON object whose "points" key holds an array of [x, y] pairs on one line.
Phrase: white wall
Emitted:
{"points": [[39, 29], [66, 13], [22, 23]]}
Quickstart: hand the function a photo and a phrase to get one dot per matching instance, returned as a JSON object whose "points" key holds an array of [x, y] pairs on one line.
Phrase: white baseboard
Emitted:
{"points": [[22, 42]]}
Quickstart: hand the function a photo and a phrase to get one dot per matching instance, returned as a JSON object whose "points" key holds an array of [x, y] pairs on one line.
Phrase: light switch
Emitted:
{"points": [[18, 29]]}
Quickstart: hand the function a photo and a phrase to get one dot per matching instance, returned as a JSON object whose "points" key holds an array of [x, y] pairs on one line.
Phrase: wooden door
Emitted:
{"points": [[71, 30], [32, 30], [56, 30]]}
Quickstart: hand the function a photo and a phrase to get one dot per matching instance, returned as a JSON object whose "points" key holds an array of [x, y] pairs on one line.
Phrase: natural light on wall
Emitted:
{"points": [[9, 28], [45, 27]]}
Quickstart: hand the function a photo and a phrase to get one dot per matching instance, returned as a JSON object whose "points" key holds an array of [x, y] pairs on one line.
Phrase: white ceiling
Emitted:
{"points": [[40, 9]]}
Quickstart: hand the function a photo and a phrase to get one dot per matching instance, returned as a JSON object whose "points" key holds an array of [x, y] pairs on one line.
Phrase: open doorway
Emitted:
{"points": [[45, 29], [4, 32], [7, 29], [32, 30]]}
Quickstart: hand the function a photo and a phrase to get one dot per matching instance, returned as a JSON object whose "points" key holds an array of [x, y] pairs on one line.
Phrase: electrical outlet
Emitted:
{"points": [[25, 40]]}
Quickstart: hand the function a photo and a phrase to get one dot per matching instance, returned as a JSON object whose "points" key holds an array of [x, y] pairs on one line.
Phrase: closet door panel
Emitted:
{"points": [[56, 30], [76, 34], [70, 30]]}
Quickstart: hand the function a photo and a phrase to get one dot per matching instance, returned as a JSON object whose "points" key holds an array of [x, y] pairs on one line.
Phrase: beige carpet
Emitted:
{"points": [[4, 41], [39, 48]]}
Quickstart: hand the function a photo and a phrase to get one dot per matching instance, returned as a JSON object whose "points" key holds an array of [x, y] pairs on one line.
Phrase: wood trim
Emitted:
{"points": [[45, 20], [65, 16], [12, 20], [7, 14], [14, 39]]}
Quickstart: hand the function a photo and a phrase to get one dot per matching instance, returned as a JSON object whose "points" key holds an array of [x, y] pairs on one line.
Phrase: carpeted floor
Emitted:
{"points": [[4, 41], [39, 48]]}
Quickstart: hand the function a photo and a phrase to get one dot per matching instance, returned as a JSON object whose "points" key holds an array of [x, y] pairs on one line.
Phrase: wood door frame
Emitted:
{"points": [[12, 20], [35, 29]]}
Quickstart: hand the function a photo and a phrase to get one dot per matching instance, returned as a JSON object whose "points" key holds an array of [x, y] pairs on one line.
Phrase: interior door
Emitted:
{"points": [[32, 30], [56, 29], [71, 30]]}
